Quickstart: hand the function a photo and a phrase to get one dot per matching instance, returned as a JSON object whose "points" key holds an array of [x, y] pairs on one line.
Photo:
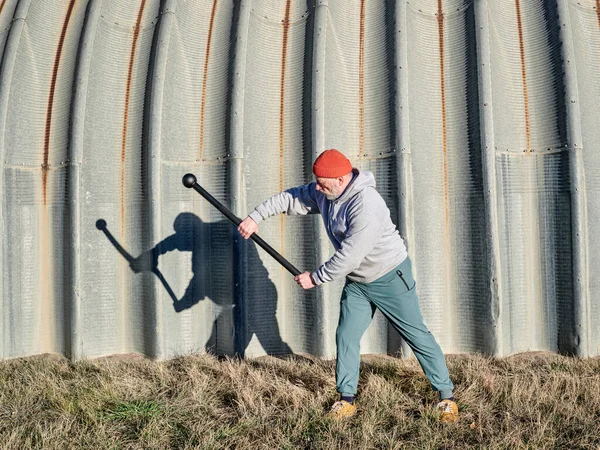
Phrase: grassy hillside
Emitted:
{"points": [[199, 401]]}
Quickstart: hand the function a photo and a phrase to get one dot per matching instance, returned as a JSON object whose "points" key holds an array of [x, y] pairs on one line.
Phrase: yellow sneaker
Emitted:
{"points": [[342, 409], [448, 411]]}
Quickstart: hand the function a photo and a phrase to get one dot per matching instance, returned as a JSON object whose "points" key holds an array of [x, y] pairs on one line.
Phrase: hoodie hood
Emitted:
{"points": [[362, 180]]}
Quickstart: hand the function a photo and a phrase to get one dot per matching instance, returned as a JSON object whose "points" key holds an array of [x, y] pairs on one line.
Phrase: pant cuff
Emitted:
{"points": [[446, 394], [347, 394]]}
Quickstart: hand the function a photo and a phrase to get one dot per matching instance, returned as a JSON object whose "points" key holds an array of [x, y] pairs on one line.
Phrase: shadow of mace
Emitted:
{"points": [[102, 226]]}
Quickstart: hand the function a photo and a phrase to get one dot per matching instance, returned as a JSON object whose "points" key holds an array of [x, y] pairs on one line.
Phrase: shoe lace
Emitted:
{"points": [[337, 406], [447, 408]]}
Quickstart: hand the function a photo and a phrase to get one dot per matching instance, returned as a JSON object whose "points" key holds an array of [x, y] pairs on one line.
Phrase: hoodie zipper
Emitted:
{"points": [[399, 272]]}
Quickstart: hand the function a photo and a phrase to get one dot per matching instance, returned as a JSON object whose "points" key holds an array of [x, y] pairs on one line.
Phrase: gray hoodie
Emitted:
{"points": [[358, 224]]}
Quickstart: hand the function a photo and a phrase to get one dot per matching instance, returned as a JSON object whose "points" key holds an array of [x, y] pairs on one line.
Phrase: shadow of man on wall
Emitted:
{"points": [[210, 245]]}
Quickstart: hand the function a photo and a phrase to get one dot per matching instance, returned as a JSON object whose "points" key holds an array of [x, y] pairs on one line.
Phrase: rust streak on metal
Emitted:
{"points": [[46, 284], [136, 34], [524, 76], [361, 80], [440, 20], [2, 5], [284, 46], [50, 107], [205, 76], [597, 11]]}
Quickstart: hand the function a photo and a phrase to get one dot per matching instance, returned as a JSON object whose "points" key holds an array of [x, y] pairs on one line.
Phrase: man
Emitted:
{"points": [[372, 257]]}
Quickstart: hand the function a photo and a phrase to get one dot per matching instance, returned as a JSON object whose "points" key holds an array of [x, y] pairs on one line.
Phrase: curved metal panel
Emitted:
{"points": [[585, 23], [490, 193], [193, 131], [532, 171], [451, 257], [275, 154], [478, 119], [112, 174], [38, 100]]}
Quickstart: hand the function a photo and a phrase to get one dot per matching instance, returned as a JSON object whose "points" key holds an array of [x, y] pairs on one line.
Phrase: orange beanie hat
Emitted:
{"points": [[331, 164]]}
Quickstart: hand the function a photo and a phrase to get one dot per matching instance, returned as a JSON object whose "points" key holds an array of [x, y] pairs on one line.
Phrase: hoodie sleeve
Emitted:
{"points": [[364, 231], [300, 200]]}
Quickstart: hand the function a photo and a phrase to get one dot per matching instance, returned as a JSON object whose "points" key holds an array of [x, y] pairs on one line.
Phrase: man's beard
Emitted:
{"points": [[335, 193]]}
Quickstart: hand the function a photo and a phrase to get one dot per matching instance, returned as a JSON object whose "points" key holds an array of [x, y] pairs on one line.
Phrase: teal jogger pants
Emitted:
{"points": [[394, 294]]}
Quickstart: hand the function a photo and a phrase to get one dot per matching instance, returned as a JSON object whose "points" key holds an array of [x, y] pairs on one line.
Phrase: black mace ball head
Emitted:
{"points": [[189, 180]]}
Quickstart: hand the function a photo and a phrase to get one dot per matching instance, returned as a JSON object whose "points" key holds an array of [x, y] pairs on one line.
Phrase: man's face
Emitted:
{"points": [[330, 187]]}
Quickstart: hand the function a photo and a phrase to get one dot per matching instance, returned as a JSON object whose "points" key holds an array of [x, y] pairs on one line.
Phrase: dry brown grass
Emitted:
{"points": [[197, 401]]}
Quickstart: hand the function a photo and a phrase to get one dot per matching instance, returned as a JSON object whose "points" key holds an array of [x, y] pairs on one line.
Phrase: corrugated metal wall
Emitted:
{"points": [[479, 118]]}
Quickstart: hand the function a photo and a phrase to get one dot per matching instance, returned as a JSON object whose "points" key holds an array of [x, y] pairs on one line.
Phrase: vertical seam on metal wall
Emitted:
{"points": [[156, 90], [75, 149], [318, 142], [489, 167], [238, 202], [6, 73], [576, 170], [403, 162]]}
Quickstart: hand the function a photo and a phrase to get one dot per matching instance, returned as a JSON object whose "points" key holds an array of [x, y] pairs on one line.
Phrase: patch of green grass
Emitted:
{"points": [[131, 411]]}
